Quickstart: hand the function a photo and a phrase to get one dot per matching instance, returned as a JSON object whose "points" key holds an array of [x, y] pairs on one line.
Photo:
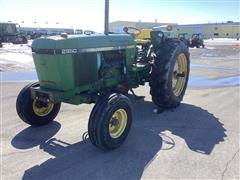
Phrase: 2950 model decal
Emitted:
{"points": [[69, 51]]}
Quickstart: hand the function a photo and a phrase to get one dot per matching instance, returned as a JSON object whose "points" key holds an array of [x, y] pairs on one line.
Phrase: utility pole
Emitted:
{"points": [[106, 19]]}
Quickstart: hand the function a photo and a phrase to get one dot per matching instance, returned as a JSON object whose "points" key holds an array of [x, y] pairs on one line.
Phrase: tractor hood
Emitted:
{"points": [[73, 44]]}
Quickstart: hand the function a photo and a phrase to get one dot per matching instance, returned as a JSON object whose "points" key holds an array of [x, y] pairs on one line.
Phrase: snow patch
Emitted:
{"points": [[15, 57], [222, 41]]}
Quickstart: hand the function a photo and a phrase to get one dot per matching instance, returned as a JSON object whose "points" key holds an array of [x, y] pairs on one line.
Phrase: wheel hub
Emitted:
{"points": [[41, 108], [114, 122], [179, 74], [117, 123]]}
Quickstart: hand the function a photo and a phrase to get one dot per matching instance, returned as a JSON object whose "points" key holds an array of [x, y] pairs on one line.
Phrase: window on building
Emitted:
{"points": [[178, 29], [215, 34], [227, 34], [237, 34]]}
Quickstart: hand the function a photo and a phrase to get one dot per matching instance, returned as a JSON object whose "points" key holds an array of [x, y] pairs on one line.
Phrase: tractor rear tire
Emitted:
{"points": [[32, 111], [169, 76], [110, 121]]}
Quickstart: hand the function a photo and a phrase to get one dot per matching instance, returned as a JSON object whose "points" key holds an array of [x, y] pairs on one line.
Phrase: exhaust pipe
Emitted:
{"points": [[106, 20]]}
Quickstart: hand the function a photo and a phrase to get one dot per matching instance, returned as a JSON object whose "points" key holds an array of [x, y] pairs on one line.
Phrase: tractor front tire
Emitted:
{"points": [[110, 121], [35, 112], [169, 76]]}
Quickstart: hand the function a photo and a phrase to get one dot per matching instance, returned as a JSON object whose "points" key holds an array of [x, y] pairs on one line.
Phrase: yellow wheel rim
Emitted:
{"points": [[117, 123], [42, 108], [180, 72]]}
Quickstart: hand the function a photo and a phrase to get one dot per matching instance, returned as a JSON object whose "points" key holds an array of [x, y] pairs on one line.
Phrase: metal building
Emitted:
{"points": [[117, 26], [210, 30]]}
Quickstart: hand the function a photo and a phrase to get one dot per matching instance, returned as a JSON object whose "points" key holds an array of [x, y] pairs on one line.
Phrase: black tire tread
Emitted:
{"points": [[98, 115], [160, 90], [22, 107]]}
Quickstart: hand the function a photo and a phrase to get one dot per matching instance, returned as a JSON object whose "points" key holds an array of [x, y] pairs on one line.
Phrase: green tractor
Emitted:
{"points": [[102, 69], [197, 41], [9, 32]]}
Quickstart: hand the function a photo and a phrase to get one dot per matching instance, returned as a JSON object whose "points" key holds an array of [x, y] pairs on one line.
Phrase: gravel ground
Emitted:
{"points": [[199, 139]]}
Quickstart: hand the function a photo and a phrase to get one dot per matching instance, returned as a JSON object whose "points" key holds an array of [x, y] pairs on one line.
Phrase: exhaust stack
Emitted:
{"points": [[106, 20]]}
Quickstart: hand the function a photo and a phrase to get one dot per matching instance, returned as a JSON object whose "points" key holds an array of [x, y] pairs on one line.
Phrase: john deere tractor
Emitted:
{"points": [[102, 69]]}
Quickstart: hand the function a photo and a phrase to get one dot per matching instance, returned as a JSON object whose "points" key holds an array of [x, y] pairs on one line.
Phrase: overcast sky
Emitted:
{"points": [[88, 14]]}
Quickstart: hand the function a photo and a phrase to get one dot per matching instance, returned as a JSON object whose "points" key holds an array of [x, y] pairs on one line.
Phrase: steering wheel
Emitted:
{"points": [[132, 30]]}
